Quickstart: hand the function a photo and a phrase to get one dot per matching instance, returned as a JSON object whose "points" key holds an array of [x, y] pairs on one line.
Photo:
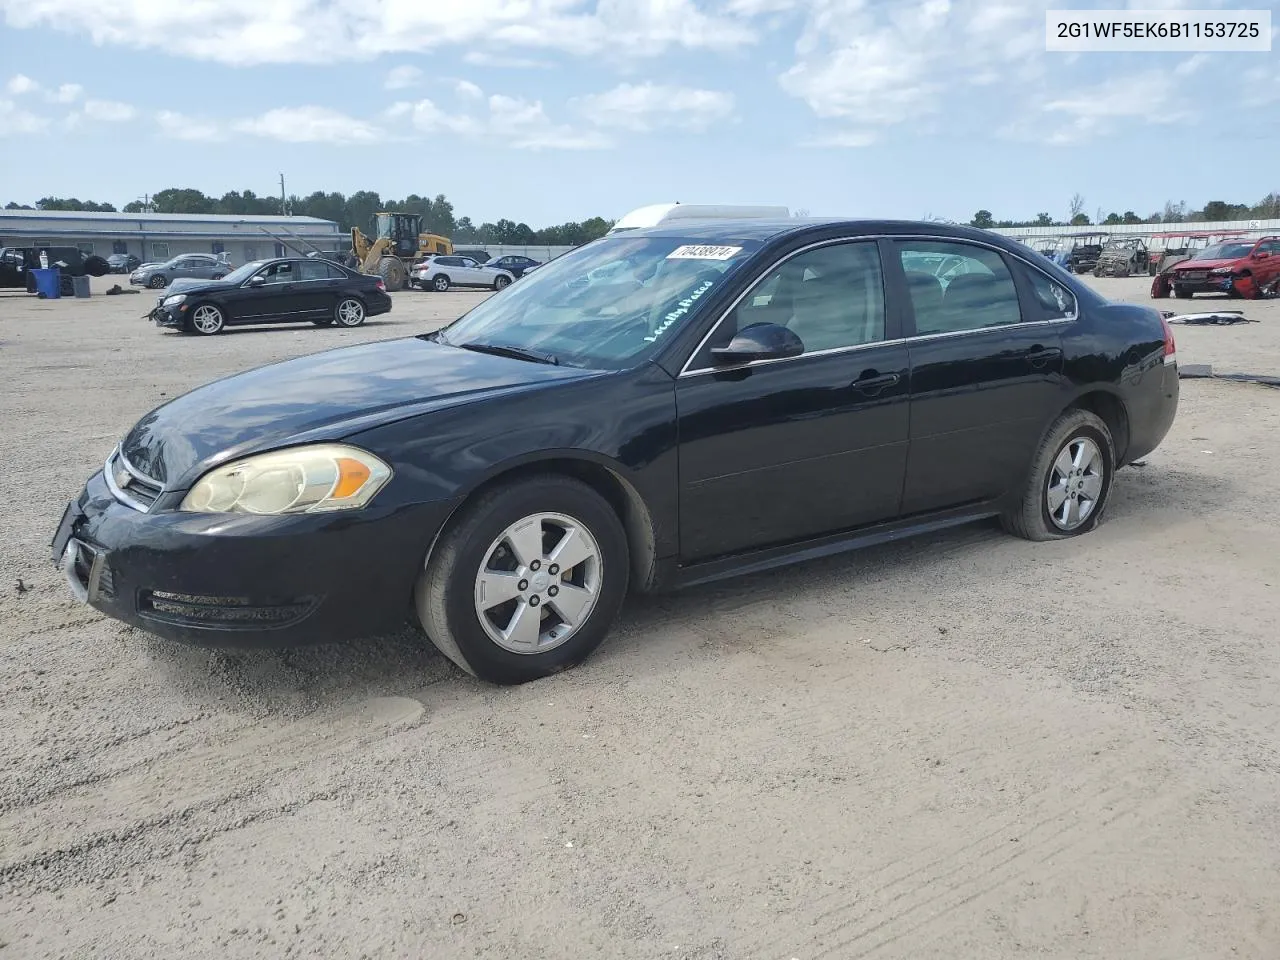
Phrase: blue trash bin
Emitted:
{"points": [[48, 282]]}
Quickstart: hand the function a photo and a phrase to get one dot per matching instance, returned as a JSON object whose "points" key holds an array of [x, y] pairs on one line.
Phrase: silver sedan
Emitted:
{"points": [[193, 266]]}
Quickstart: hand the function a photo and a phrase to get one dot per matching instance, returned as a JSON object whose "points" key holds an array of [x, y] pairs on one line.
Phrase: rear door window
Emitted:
{"points": [[957, 287]]}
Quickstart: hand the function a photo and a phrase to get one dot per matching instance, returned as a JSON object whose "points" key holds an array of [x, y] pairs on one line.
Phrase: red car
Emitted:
{"points": [[1240, 268]]}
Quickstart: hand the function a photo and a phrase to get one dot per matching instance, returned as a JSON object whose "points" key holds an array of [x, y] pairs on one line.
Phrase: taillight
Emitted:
{"points": [[1170, 348], [382, 286]]}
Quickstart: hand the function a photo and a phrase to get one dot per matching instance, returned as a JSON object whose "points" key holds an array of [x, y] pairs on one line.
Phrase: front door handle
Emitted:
{"points": [[1038, 356], [871, 383]]}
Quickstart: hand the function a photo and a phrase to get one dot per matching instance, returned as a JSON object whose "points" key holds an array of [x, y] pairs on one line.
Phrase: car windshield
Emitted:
{"points": [[1224, 251], [605, 305], [241, 274]]}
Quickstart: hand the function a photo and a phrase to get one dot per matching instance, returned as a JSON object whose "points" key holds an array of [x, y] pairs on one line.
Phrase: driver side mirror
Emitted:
{"points": [[1262, 254], [258, 281], [759, 341]]}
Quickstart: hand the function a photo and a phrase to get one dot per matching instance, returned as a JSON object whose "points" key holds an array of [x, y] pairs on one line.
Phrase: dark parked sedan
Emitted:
{"points": [[745, 394], [273, 291], [514, 264]]}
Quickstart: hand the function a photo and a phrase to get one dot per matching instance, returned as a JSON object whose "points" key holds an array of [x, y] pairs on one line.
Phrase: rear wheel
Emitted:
{"points": [[1069, 483], [349, 312], [527, 581], [206, 319]]}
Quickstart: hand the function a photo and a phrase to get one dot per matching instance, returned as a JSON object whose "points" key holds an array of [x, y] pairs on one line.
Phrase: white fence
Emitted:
{"points": [[1253, 227]]}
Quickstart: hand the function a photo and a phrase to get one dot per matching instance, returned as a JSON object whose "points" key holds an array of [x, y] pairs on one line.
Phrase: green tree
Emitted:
{"points": [[1043, 220], [13, 205], [465, 231], [983, 220], [1113, 218], [181, 200], [1131, 217], [1081, 220]]}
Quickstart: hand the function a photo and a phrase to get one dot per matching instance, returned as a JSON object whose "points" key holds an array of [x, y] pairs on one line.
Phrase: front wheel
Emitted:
{"points": [[207, 320], [527, 581], [500, 282], [1069, 482], [440, 283], [157, 282], [349, 313]]}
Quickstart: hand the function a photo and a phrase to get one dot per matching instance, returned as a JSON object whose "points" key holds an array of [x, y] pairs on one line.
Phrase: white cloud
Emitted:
{"points": [[19, 84], [401, 78], [309, 125], [67, 93], [479, 58], [465, 88], [110, 111], [14, 121], [1095, 111], [645, 106], [243, 32], [845, 138], [177, 126], [506, 121]]}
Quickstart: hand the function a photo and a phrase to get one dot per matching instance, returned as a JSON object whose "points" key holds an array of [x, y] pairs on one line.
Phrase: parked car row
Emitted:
{"points": [[200, 266], [439, 273]]}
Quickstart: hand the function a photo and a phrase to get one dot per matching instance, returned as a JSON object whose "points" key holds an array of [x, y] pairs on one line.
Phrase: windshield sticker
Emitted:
{"points": [[681, 309], [703, 252]]}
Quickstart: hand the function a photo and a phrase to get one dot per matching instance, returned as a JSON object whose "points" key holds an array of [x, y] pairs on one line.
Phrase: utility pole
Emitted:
{"points": [[283, 211], [146, 202]]}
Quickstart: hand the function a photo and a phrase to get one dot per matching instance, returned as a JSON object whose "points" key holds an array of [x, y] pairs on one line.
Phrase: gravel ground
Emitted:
{"points": [[962, 746]]}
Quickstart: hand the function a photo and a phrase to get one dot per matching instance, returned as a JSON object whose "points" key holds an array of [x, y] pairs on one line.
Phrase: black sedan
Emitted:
{"points": [[273, 291], [123, 262], [514, 264], [742, 395]]}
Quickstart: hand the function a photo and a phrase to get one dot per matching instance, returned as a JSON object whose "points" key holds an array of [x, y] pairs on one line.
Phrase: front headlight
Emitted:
{"points": [[308, 479], [176, 299]]}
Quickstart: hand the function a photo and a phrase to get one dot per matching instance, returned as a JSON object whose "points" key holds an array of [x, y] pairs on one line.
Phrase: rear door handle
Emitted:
{"points": [[873, 384], [1039, 356]]}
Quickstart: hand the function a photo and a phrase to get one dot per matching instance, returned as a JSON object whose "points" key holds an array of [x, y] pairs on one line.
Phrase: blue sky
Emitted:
{"points": [[554, 110]]}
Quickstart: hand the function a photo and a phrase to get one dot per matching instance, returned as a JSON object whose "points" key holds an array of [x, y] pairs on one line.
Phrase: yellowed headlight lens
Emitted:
{"points": [[308, 479]]}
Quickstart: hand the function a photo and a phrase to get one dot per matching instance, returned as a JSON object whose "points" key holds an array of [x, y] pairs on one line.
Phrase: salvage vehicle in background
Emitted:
{"points": [[514, 264], [511, 477], [195, 266], [1238, 268], [1170, 249], [16, 264], [1084, 250], [441, 273], [283, 290], [1122, 257]]}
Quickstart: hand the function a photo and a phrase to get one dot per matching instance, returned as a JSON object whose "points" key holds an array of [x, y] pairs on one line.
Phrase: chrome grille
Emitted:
{"points": [[129, 485]]}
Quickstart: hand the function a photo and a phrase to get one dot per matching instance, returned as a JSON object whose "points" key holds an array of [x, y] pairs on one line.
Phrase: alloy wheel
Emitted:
{"points": [[538, 583], [206, 319], [1076, 482], [350, 313]]}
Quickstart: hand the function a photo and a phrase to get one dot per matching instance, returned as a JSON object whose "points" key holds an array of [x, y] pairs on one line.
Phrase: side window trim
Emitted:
{"points": [[893, 332]]}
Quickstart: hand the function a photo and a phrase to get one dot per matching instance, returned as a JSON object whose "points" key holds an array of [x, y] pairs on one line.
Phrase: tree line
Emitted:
{"points": [[1265, 209], [356, 210]]}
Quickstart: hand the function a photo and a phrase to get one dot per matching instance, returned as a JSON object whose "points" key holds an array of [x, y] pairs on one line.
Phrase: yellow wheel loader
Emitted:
{"points": [[399, 245]]}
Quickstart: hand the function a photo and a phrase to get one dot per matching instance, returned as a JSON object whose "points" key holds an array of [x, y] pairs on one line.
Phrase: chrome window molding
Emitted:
{"points": [[685, 370]]}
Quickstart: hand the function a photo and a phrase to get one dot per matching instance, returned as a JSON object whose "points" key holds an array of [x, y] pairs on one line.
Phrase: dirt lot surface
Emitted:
{"points": [[966, 746]]}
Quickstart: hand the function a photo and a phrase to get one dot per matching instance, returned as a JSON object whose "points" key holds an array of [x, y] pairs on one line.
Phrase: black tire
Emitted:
{"points": [[440, 283], [157, 282], [66, 288], [393, 273], [349, 312], [445, 592], [501, 282], [1029, 518]]}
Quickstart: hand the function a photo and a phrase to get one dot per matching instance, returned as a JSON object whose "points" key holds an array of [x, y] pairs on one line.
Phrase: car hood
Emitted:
{"points": [[194, 285], [325, 396], [1204, 264]]}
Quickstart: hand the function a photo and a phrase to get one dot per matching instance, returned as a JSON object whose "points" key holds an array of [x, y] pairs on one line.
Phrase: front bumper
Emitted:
{"points": [[240, 580], [163, 316]]}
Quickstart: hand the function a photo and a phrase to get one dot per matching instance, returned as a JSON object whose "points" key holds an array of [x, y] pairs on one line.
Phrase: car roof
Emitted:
{"points": [[765, 229]]}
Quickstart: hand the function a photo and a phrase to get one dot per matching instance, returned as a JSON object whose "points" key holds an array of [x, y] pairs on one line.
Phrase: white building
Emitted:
{"points": [[159, 236]]}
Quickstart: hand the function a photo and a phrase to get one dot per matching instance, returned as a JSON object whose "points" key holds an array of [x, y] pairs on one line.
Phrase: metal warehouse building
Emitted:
{"points": [[159, 236]]}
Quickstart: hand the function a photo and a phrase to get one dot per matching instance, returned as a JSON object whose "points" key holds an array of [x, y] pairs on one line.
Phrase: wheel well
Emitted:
{"points": [[621, 495], [1112, 411]]}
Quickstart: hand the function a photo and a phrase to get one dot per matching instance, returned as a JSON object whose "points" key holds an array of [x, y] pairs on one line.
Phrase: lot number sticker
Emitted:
{"points": [[703, 252]]}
